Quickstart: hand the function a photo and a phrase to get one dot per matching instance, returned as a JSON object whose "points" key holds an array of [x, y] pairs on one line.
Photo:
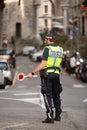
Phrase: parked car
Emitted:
{"points": [[27, 49], [32, 52], [2, 80], [10, 53], [7, 71], [37, 56]]}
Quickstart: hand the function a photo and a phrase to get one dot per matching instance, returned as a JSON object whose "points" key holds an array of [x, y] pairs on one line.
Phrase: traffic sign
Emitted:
{"points": [[4, 36], [21, 76]]}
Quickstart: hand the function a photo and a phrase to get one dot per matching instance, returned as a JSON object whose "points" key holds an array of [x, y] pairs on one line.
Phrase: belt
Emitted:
{"points": [[53, 68]]}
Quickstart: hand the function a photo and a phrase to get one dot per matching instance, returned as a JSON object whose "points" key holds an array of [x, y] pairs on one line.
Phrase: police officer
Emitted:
{"points": [[50, 80]]}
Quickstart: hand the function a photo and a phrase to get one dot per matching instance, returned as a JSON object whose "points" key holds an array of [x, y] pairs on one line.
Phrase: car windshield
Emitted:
{"points": [[6, 52], [3, 65], [2, 52]]}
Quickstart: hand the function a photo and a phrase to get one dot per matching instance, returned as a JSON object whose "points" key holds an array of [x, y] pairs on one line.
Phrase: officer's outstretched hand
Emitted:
{"points": [[29, 75]]}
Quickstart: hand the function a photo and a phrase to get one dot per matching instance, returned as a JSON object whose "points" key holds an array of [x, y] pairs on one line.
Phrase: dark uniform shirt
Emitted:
{"points": [[46, 52]]}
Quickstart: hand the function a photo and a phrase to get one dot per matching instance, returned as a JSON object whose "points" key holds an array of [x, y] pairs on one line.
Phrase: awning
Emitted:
{"points": [[57, 25], [51, 17]]}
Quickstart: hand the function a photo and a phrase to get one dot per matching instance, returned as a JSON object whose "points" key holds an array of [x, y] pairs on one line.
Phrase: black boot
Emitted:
{"points": [[48, 120], [57, 118]]}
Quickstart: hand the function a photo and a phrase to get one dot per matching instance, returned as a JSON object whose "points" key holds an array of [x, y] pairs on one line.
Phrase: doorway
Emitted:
{"points": [[18, 30]]}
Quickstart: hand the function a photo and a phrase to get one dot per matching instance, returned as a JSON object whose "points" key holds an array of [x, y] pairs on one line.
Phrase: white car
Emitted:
{"points": [[27, 49], [7, 71], [37, 56], [2, 80]]}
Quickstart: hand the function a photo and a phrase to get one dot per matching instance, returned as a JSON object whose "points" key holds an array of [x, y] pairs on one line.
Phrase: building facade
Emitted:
{"points": [[78, 15], [19, 18], [45, 13], [25, 18], [74, 11]]}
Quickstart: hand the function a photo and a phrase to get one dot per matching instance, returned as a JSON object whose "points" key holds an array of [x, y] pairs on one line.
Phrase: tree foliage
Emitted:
{"points": [[61, 39]]}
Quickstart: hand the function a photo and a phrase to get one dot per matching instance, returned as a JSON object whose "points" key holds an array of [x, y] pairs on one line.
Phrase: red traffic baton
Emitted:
{"points": [[21, 76]]}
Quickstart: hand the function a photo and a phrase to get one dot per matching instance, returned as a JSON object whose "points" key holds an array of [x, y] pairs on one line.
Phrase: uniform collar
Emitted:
{"points": [[53, 44]]}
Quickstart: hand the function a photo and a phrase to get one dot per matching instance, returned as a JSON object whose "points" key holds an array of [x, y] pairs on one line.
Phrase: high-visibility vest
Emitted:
{"points": [[54, 58]]}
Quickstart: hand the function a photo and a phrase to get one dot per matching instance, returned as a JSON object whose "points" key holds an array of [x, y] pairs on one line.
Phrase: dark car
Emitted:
{"points": [[11, 53]]}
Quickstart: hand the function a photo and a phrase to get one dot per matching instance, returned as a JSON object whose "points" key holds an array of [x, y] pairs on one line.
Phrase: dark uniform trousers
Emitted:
{"points": [[51, 89]]}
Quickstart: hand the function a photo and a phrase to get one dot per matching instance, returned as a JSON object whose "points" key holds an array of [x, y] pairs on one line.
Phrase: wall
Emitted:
{"points": [[22, 13]]}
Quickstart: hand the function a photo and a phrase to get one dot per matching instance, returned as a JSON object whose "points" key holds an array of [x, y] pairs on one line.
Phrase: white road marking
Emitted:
{"points": [[2, 91], [19, 94], [78, 86], [14, 125], [22, 86], [31, 100], [5, 98], [85, 100], [36, 100]]}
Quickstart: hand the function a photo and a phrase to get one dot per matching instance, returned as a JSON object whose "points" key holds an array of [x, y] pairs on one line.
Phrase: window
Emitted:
{"points": [[46, 22], [46, 9], [19, 2]]}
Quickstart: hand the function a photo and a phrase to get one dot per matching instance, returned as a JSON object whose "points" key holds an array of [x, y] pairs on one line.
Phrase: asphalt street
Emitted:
{"points": [[22, 106]]}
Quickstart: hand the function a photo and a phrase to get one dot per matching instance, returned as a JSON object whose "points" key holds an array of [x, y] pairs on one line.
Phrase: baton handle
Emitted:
{"points": [[33, 76]]}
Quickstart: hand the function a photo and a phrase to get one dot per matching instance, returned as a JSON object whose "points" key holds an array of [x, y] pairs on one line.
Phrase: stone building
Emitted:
{"points": [[19, 18]]}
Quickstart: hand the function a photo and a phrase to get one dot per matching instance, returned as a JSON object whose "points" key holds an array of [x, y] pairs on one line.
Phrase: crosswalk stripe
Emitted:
{"points": [[85, 100], [78, 86]]}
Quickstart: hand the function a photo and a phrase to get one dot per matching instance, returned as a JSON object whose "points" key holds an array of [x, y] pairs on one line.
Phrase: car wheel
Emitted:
{"points": [[10, 82], [84, 77], [3, 86], [14, 64]]}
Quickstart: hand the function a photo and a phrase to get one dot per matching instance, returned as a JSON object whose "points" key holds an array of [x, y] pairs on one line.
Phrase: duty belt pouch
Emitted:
{"points": [[43, 73]]}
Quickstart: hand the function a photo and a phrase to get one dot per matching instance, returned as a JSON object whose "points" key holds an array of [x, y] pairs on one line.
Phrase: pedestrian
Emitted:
{"points": [[73, 63], [64, 63], [51, 87]]}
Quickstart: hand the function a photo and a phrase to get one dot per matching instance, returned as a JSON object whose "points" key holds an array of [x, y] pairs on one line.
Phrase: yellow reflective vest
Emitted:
{"points": [[54, 58]]}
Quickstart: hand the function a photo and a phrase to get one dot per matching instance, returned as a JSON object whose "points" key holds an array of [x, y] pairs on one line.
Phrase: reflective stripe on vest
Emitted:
{"points": [[54, 58]]}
